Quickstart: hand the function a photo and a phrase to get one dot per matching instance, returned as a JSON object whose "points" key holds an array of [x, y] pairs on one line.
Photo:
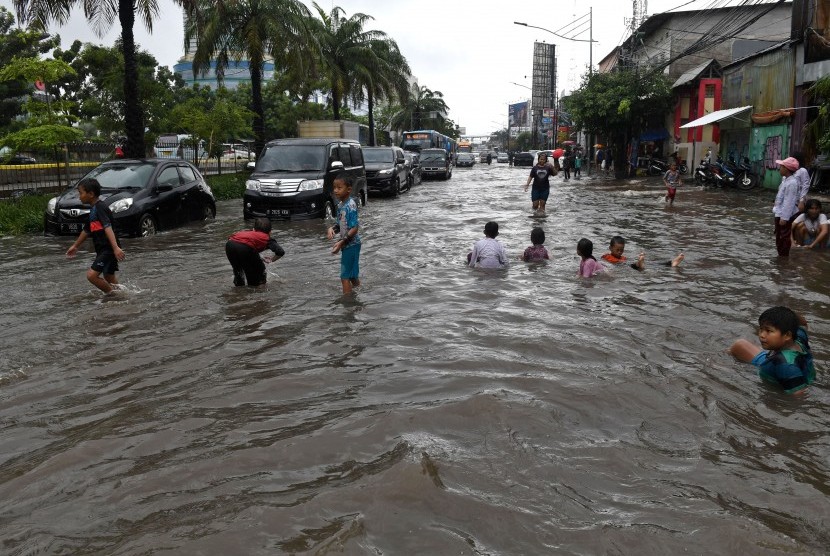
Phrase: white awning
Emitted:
{"points": [[715, 116]]}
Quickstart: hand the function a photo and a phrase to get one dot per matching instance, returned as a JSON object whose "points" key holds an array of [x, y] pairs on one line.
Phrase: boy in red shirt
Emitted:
{"points": [[243, 249]]}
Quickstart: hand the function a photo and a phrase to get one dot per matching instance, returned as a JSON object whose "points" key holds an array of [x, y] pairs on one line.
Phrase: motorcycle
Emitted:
{"points": [[681, 164], [745, 178], [705, 174], [656, 167], [725, 174]]}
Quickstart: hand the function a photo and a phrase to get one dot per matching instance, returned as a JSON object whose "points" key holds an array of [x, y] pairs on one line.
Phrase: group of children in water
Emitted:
{"points": [[784, 358], [488, 252]]}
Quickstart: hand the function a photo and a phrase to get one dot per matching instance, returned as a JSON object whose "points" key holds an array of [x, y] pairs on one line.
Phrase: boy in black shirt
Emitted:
{"points": [[107, 250]]}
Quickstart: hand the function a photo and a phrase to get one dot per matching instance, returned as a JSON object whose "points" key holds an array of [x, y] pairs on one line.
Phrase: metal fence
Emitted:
{"points": [[56, 170]]}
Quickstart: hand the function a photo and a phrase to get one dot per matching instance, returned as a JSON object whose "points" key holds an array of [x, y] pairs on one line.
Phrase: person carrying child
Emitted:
{"points": [[540, 175], [346, 229], [671, 179], [537, 251], [589, 266], [107, 249], [243, 251], [784, 358], [488, 252]]}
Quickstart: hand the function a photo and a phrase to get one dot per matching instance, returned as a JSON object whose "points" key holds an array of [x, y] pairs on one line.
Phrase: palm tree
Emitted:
{"points": [[347, 53], [385, 80], [101, 14], [421, 105], [228, 30]]}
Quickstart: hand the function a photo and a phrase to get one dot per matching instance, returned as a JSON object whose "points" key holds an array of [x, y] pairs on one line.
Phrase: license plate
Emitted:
{"points": [[72, 228], [279, 212]]}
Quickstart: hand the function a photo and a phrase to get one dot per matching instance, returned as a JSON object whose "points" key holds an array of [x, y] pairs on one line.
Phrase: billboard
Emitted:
{"points": [[517, 114]]}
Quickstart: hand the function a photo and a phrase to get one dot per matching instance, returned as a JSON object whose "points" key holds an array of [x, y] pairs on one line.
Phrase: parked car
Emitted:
{"points": [[413, 162], [235, 151], [18, 159], [436, 163], [523, 159], [178, 145], [465, 159], [294, 178], [386, 170], [145, 196], [502, 157]]}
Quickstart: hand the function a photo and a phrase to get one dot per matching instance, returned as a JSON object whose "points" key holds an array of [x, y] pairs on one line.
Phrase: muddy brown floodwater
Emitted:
{"points": [[441, 410]]}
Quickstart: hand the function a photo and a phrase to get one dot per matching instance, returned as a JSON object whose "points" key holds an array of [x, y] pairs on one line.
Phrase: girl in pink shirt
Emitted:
{"points": [[589, 265]]}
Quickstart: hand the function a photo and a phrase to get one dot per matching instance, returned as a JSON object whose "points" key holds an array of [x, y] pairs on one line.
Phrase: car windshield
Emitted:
{"points": [[433, 157], [293, 158], [378, 155], [123, 176]]}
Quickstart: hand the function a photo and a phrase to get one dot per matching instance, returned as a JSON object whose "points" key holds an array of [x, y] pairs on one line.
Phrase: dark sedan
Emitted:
{"points": [[145, 196], [523, 159], [18, 159]]}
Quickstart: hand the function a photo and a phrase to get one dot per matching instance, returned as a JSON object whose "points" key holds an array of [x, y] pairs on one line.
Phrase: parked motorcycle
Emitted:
{"points": [[656, 167], [725, 174], [745, 178], [704, 174]]}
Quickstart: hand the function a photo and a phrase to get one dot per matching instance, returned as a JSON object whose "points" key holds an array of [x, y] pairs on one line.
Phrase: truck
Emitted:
{"points": [[341, 129]]}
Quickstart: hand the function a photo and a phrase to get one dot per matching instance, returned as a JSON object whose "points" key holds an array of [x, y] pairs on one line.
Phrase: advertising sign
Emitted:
{"points": [[517, 114]]}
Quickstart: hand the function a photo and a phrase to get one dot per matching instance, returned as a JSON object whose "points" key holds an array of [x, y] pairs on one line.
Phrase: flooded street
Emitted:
{"points": [[441, 410]]}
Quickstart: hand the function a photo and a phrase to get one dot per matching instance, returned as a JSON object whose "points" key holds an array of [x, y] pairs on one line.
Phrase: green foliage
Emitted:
{"points": [[620, 103], [817, 132], [523, 142], [420, 109], [228, 186], [41, 137], [22, 215], [214, 125]]}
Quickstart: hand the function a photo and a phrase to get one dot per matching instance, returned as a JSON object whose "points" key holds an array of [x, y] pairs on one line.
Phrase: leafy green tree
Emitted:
{"points": [[101, 14], [220, 123], [420, 108], [21, 43], [227, 30], [619, 105], [357, 63], [48, 122], [523, 142], [817, 132], [384, 80]]}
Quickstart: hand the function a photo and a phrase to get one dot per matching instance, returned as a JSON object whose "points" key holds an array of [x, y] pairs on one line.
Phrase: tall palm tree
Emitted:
{"points": [[345, 52], [386, 79], [421, 106], [228, 30], [101, 14]]}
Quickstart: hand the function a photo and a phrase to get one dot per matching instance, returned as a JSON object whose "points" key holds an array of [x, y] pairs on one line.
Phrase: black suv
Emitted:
{"points": [[143, 195], [294, 178], [386, 170], [523, 159], [436, 162]]}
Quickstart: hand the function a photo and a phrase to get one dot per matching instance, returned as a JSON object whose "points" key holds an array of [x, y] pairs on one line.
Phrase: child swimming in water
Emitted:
{"points": [[589, 265], [488, 252], [615, 255], [537, 251]]}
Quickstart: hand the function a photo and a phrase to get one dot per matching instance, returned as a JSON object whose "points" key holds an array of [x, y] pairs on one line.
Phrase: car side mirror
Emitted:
{"points": [[336, 165], [250, 166], [164, 187]]}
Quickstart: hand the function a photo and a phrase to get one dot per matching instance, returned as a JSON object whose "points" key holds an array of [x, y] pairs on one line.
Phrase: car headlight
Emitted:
{"points": [[385, 172], [253, 185], [121, 205], [310, 185], [50, 206]]}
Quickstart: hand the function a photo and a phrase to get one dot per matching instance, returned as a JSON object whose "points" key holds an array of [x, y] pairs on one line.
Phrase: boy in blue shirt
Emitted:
{"points": [[348, 242], [785, 359]]}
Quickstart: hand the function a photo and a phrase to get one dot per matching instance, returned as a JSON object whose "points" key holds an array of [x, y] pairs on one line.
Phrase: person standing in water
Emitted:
{"points": [[540, 175]]}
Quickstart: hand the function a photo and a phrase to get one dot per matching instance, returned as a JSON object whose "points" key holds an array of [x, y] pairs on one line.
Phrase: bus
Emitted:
{"points": [[465, 146], [428, 139]]}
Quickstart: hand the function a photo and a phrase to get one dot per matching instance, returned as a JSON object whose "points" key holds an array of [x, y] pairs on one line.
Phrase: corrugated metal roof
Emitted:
{"points": [[692, 74]]}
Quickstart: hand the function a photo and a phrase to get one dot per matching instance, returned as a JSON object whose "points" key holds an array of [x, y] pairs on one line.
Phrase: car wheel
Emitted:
{"points": [[329, 209], [396, 187], [147, 226], [363, 198], [208, 212]]}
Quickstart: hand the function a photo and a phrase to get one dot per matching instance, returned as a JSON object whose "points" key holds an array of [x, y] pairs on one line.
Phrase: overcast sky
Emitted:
{"points": [[470, 51]]}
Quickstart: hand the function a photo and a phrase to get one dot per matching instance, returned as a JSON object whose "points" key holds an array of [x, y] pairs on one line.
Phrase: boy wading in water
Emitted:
{"points": [[348, 242], [107, 250]]}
